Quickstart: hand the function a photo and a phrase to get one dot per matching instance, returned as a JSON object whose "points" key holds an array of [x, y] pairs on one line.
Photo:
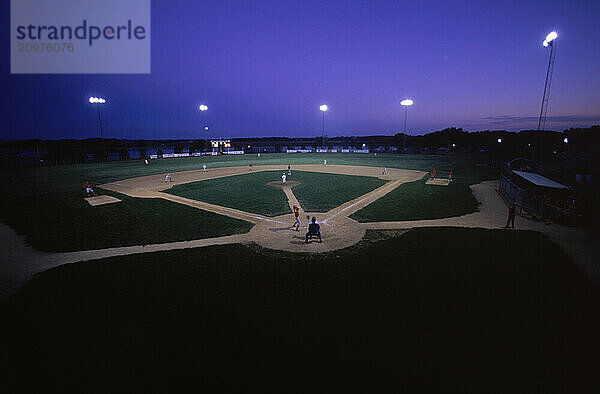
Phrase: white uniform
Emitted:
{"points": [[204, 167], [146, 161], [283, 178], [384, 171], [168, 178], [325, 163]]}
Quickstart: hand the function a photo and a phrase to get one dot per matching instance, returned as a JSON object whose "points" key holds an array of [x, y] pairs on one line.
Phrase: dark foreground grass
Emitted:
{"points": [[249, 192], [62, 222], [419, 201], [489, 311]]}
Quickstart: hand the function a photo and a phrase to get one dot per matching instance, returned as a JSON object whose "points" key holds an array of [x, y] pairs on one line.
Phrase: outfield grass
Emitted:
{"points": [[419, 201], [63, 222], [500, 311]]}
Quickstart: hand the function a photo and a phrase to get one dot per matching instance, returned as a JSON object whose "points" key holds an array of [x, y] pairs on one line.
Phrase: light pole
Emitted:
{"points": [[550, 41], [405, 103], [203, 109], [98, 101], [323, 108]]}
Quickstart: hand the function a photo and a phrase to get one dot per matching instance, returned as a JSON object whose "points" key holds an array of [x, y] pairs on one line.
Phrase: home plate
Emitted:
{"points": [[101, 200], [438, 181]]}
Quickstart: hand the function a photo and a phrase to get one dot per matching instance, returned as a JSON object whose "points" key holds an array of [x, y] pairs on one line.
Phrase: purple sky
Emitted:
{"points": [[264, 67]]}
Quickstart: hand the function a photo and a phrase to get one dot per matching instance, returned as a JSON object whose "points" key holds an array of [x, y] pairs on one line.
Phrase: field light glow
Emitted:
{"points": [[566, 140], [203, 107], [97, 100], [406, 102], [499, 140], [552, 36], [323, 108]]}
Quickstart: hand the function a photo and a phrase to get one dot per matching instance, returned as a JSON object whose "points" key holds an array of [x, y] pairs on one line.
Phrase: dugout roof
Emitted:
{"points": [[539, 180]]}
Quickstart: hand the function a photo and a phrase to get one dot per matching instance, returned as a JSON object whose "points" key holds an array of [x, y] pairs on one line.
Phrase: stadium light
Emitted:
{"points": [[203, 108], [323, 108], [566, 140], [548, 42], [549, 38], [499, 140], [405, 103], [98, 101]]}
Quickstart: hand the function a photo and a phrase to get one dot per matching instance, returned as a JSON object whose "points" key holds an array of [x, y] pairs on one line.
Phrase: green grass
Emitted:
{"points": [[62, 222], [248, 192], [33, 199], [488, 311], [322, 192], [418, 201]]}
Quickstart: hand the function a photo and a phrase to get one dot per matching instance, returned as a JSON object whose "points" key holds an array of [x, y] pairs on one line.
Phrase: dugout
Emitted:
{"points": [[539, 197]]}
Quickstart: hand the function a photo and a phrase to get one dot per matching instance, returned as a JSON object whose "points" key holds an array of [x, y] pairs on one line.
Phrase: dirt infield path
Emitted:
{"points": [[19, 262]]}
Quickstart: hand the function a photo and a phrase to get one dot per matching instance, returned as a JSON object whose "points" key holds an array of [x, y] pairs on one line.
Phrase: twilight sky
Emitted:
{"points": [[264, 67]]}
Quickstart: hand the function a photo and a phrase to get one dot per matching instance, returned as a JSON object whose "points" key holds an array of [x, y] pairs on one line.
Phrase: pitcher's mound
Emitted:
{"points": [[287, 184], [438, 181], [101, 200]]}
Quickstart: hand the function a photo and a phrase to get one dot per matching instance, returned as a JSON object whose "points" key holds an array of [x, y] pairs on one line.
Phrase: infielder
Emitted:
{"points": [[204, 167], [283, 178], [168, 178]]}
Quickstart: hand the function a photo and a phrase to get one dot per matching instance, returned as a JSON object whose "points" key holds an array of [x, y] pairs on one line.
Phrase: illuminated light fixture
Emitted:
{"points": [[405, 103], [566, 140], [499, 140], [203, 107], [98, 100], [323, 108]]}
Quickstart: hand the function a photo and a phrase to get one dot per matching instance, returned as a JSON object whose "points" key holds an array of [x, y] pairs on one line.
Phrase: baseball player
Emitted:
{"points": [[289, 169], [283, 178], [146, 161], [88, 189], [297, 218], [384, 172], [168, 178], [204, 167], [250, 167], [325, 162]]}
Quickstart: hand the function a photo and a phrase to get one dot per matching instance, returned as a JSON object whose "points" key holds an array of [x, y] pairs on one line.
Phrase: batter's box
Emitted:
{"points": [[438, 181], [101, 200]]}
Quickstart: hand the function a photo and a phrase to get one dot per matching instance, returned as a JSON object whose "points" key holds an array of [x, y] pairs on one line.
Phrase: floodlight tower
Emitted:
{"points": [[550, 41], [323, 108], [98, 101], [203, 109], [405, 103]]}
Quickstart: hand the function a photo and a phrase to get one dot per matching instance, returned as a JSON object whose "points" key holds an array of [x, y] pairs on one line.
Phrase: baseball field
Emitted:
{"points": [[201, 278]]}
